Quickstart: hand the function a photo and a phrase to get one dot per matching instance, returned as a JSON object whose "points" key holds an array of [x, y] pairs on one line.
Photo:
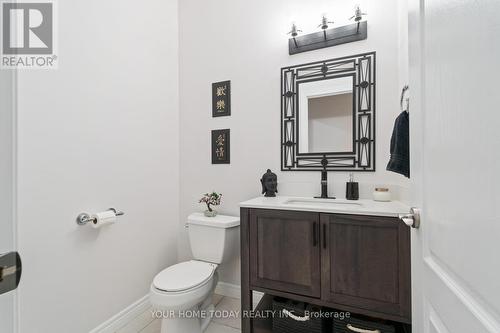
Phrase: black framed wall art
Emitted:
{"points": [[221, 146], [221, 99]]}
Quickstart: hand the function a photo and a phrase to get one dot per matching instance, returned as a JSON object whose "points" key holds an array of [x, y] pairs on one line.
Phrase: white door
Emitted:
{"points": [[455, 147], [7, 243]]}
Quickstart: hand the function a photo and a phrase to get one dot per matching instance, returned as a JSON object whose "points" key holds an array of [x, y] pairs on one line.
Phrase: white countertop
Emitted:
{"points": [[340, 206]]}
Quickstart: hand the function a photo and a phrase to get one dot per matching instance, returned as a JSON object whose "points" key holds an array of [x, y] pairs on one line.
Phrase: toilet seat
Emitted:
{"points": [[184, 276]]}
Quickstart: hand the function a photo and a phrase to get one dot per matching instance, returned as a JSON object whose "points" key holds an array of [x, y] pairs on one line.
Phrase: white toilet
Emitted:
{"points": [[184, 291]]}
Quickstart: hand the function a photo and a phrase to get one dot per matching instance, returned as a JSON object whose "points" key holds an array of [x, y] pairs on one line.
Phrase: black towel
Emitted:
{"points": [[400, 146]]}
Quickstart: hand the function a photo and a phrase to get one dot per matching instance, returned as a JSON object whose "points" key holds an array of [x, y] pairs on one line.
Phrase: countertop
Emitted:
{"points": [[339, 206]]}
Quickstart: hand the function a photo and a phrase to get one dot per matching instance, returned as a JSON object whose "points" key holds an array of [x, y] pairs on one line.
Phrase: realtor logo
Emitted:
{"points": [[28, 34]]}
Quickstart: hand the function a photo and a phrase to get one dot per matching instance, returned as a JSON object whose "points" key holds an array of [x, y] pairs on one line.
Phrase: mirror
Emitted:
{"points": [[326, 115]]}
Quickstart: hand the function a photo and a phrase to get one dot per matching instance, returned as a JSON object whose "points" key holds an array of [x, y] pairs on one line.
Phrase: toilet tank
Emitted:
{"points": [[213, 239]]}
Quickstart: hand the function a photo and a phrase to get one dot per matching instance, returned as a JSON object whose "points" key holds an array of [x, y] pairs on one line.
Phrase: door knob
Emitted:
{"points": [[10, 271], [412, 219]]}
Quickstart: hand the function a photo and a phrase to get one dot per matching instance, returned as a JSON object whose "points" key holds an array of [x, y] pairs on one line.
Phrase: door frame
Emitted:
{"points": [[416, 76], [8, 176]]}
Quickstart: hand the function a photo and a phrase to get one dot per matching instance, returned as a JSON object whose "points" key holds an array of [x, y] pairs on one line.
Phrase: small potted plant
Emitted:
{"points": [[211, 199]]}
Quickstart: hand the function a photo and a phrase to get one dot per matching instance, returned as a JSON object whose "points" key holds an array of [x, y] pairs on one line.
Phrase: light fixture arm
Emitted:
{"points": [[294, 33]]}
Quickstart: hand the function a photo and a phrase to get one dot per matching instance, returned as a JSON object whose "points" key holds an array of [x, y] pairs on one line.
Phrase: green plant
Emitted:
{"points": [[210, 199]]}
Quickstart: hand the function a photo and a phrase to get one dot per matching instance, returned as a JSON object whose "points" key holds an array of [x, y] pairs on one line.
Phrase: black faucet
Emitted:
{"points": [[324, 185]]}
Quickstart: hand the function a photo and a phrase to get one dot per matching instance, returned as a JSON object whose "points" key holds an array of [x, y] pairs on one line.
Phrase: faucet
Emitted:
{"points": [[324, 185]]}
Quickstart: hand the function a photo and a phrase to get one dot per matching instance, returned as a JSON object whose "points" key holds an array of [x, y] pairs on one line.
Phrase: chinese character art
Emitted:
{"points": [[221, 99], [220, 146]]}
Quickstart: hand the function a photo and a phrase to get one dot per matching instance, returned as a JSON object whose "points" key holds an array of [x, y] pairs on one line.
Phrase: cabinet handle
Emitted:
{"points": [[360, 330], [315, 234], [324, 236], [294, 317]]}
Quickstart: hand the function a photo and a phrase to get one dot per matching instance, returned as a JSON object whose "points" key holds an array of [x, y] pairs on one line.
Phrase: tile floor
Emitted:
{"points": [[145, 323]]}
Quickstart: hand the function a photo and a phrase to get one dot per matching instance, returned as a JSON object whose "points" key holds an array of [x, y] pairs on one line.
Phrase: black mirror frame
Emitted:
{"points": [[362, 158]]}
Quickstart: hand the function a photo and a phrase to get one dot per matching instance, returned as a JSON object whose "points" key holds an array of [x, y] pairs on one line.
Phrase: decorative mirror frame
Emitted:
{"points": [[362, 68]]}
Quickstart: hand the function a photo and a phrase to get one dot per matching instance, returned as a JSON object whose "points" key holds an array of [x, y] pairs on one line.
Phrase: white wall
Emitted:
{"points": [[100, 131], [403, 42], [246, 42], [329, 124], [7, 244]]}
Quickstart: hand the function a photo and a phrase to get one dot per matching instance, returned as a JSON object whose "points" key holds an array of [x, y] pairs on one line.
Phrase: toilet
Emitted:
{"points": [[183, 292]]}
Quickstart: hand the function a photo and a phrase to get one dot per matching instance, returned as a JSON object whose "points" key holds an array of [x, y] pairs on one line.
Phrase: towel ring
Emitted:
{"points": [[403, 93]]}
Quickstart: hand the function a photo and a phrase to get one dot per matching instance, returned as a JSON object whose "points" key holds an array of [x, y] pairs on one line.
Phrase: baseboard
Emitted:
{"points": [[234, 291], [123, 317]]}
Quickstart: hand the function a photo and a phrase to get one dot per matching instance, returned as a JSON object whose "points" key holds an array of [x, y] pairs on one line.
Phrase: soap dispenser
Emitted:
{"points": [[352, 188]]}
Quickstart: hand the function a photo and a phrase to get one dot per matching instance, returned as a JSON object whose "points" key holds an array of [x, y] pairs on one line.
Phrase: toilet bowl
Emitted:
{"points": [[183, 292]]}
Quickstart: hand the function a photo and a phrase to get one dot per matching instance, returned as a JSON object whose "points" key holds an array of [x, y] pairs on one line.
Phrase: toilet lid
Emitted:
{"points": [[184, 276]]}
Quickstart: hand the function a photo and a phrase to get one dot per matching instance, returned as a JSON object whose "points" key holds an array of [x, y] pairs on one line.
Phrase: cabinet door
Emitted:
{"points": [[285, 252], [366, 263]]}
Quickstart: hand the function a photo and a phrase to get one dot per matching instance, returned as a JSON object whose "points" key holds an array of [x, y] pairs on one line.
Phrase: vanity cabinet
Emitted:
{"points": [[365, 263], [285, 251], [354, 263]]}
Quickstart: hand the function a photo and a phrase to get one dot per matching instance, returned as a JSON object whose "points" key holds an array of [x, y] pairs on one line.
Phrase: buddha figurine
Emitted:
{"points": [[269, 183]]}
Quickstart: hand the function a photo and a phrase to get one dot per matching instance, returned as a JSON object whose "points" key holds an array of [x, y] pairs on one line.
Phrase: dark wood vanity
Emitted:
{"points": [[354, 263], [350, 256]]}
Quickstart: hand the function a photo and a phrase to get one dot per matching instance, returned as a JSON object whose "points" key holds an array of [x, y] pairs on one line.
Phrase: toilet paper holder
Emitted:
{"points": [[85, 218]]}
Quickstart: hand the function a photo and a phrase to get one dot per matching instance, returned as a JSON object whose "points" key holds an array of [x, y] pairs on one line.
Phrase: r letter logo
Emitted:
{"points": [[28, 35]]}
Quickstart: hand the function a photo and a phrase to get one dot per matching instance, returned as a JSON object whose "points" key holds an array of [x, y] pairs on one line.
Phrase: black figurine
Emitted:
{"points": [[269, 183]]}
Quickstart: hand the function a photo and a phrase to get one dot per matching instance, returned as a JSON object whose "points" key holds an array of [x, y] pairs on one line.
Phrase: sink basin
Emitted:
{"points": [[324, 203]]}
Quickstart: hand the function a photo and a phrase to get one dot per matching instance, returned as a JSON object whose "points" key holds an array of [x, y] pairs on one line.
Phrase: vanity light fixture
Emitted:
{"points": [[328, 36]]}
